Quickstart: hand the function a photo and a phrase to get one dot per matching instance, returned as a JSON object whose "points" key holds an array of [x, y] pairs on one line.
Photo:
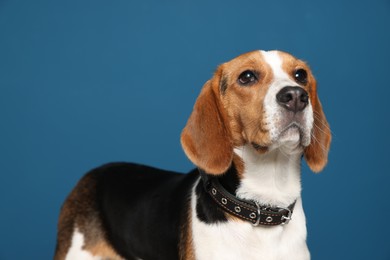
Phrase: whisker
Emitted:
{"points": [[319, 143], [322, 126], [318, 117], [321, 130]]}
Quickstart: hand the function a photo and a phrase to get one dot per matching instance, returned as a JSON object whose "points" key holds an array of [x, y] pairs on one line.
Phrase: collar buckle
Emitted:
{"points": [[285, 219]]}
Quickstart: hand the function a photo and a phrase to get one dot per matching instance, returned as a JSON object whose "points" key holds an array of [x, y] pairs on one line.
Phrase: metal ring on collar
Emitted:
{"points": [[258, 215]]}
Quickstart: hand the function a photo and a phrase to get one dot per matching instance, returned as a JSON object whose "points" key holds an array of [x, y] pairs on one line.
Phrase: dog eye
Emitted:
{"points": [[300, 76], [246, 78]]}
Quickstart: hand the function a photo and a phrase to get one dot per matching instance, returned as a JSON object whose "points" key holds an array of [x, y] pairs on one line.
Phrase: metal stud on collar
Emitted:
{"points": [[224, 201], [254, 215]]}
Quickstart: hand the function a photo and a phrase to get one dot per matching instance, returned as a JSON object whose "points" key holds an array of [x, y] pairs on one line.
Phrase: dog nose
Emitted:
{"points": [[293, 98]]}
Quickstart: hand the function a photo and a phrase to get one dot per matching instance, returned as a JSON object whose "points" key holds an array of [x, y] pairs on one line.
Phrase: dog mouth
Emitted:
{"points": [[292, 135], [293, 129], [259, 148]]}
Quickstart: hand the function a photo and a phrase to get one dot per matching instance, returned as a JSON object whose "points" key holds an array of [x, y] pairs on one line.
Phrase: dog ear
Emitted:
{"points": [[316, 154], [206, 138]]}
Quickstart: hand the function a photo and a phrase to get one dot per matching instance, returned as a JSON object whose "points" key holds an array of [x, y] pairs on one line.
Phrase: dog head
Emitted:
{"points": [[265, 99]]}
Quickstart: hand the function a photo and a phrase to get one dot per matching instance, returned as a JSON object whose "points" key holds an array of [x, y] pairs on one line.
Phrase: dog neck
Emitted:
{"points": [[272, 178]]}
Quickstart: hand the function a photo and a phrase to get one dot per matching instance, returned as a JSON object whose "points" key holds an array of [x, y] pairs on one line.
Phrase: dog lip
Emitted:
{"points": [[303, 138], [259, 147], [293, 124]]}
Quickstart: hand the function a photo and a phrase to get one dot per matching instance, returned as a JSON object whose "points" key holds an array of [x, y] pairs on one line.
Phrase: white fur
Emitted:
{"points": [[272, 178], [76, 251], [274, 112]]}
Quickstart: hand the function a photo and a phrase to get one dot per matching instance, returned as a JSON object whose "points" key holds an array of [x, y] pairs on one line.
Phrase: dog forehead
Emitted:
{"points": [[282, 63], [275, 61], [278, 63]]}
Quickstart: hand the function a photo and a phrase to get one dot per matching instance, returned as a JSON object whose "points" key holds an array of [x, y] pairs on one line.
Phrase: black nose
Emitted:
{"points": [[293, 98]]}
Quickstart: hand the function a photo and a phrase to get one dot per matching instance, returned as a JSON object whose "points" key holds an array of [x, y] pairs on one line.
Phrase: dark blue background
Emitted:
{"points": [[87, 82]]}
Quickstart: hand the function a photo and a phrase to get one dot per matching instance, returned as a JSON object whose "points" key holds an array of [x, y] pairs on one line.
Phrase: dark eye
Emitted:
{"points": [[300, 76], [246, 78]]}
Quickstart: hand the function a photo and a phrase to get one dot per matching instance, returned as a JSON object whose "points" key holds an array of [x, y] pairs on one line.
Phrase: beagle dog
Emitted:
{"points": [[252, 123]]}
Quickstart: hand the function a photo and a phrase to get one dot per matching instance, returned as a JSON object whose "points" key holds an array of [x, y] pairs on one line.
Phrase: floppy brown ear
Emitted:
{"points": [[316, 154], [206, 138]]}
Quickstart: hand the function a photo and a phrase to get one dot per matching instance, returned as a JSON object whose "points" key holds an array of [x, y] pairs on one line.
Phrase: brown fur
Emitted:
{"points": [[316, 154], [223, 119], [206, 138], [186, 247], [103, 250]]}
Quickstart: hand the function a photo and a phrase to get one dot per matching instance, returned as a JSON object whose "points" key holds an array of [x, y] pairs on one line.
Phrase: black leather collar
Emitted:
{"points": [[245, 209]]}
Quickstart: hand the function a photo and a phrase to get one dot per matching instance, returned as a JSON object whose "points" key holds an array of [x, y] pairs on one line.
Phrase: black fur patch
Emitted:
{"points": [[142, 209], [230, 180], [206, 209], [223, 85]]}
